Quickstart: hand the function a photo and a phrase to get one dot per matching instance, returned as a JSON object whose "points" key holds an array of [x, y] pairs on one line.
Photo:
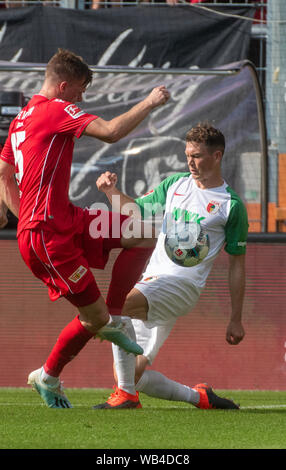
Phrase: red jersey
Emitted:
{"points": [[40, 145]]}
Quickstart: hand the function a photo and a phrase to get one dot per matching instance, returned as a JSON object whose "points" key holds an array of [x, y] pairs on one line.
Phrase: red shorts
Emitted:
{"points": [[63, 262]]}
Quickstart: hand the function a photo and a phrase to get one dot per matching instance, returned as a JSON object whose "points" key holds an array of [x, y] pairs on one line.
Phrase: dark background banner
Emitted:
{"points": [[149, 37], [156, 148], [139, 36]]}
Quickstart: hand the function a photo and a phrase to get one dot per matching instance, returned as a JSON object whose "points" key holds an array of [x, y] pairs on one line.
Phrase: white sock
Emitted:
{"points": [[125, 363], [112, 319], [157, 385], [48, 379]]}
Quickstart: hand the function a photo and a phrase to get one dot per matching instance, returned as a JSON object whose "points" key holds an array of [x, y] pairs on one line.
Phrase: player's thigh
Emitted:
{"points": [[59, 262], [168, 297], [105, 231], [136, 232], [102, 233], [135, 305]]}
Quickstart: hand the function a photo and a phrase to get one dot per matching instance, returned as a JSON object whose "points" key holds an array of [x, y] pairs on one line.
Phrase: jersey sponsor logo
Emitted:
{"points": [[213, 207], [187, 216], [74, 111], [241, 243], [178, 194], [78, 274]]}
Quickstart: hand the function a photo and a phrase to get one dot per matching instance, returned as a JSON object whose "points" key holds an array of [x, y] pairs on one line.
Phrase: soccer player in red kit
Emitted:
{"points": [[3, 209], [54, 235]]}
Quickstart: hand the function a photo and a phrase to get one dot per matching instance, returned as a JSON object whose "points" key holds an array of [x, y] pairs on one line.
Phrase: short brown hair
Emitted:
{"points": [[205, 133], [67, 66]]}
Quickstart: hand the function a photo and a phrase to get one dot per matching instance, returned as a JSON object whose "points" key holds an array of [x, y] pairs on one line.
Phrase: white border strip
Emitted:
{"points": [[191, 408]]}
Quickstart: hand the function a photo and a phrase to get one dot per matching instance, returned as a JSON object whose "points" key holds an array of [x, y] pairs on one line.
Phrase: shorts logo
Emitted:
{"points": [[213, 207], [78, 274], [74, 111]]}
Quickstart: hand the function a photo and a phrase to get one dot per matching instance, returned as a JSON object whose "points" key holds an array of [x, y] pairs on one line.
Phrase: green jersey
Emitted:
{"points": [[219, 210]]}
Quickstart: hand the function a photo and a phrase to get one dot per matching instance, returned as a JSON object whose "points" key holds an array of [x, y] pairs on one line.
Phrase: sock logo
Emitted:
{"points": [[78, 274]]}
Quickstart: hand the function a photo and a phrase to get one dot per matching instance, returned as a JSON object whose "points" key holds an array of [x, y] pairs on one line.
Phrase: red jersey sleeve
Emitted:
{"points": [[7, 154], [68, 118]]}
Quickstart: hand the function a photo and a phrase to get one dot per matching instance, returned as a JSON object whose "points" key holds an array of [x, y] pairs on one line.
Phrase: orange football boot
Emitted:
{"points": [[119, 400], [209, 400]]}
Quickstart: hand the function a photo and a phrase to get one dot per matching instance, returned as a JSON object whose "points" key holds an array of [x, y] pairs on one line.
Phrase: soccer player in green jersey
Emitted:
{"points": [[166, 290]]}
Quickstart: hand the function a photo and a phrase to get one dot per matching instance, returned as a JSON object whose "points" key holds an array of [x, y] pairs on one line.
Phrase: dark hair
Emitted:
{"points": [[205, 133], [67, 66]]}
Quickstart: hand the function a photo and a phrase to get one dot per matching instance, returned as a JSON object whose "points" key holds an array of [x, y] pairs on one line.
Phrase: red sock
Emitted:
{"points": [[69, 343], [126, 271]]}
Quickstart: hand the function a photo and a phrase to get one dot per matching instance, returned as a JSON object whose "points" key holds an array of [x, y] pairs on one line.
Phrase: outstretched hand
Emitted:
{"points": [[106, 181], [158, 96]]}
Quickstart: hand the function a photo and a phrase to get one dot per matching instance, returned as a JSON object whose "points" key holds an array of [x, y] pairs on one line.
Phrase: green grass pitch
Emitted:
{"points": [[26, 423]]}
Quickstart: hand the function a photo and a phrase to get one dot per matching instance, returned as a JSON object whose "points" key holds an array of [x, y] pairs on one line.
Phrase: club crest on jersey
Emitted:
{"points": [[74, 111], [213, 207], [78, 274]]}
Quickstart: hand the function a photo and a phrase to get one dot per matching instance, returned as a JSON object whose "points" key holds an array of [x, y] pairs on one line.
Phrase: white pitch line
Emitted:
{"points": [[258, 407], [262, 407], [36, 404]]}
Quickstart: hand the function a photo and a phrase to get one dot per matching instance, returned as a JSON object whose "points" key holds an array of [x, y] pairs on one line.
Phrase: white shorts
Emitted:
{"points": [[151, 339], [168, 297]]}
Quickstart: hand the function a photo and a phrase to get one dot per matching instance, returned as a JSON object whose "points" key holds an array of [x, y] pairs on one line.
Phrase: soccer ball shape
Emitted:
{"points": [[186, 243]]}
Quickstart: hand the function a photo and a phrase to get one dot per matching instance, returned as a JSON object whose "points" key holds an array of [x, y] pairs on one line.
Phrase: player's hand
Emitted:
{"points": [[106, 181], [234, 333], [158, 96]]}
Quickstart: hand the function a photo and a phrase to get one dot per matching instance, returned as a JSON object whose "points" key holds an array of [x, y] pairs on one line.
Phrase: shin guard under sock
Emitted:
{"points": [[69, 343]]}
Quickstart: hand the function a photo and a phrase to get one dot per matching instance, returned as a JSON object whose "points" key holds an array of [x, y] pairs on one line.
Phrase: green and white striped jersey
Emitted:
{"points": [[219, 210]]}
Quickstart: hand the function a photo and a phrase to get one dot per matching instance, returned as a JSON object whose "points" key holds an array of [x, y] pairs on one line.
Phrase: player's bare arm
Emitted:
{"points": [[9, 192], [122, 203], [3, 214], [235, 331], [118, 127]]}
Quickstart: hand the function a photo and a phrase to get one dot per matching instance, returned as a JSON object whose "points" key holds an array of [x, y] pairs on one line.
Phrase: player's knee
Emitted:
{"points": [[136, 305], [93, 324], [94, 316]]}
